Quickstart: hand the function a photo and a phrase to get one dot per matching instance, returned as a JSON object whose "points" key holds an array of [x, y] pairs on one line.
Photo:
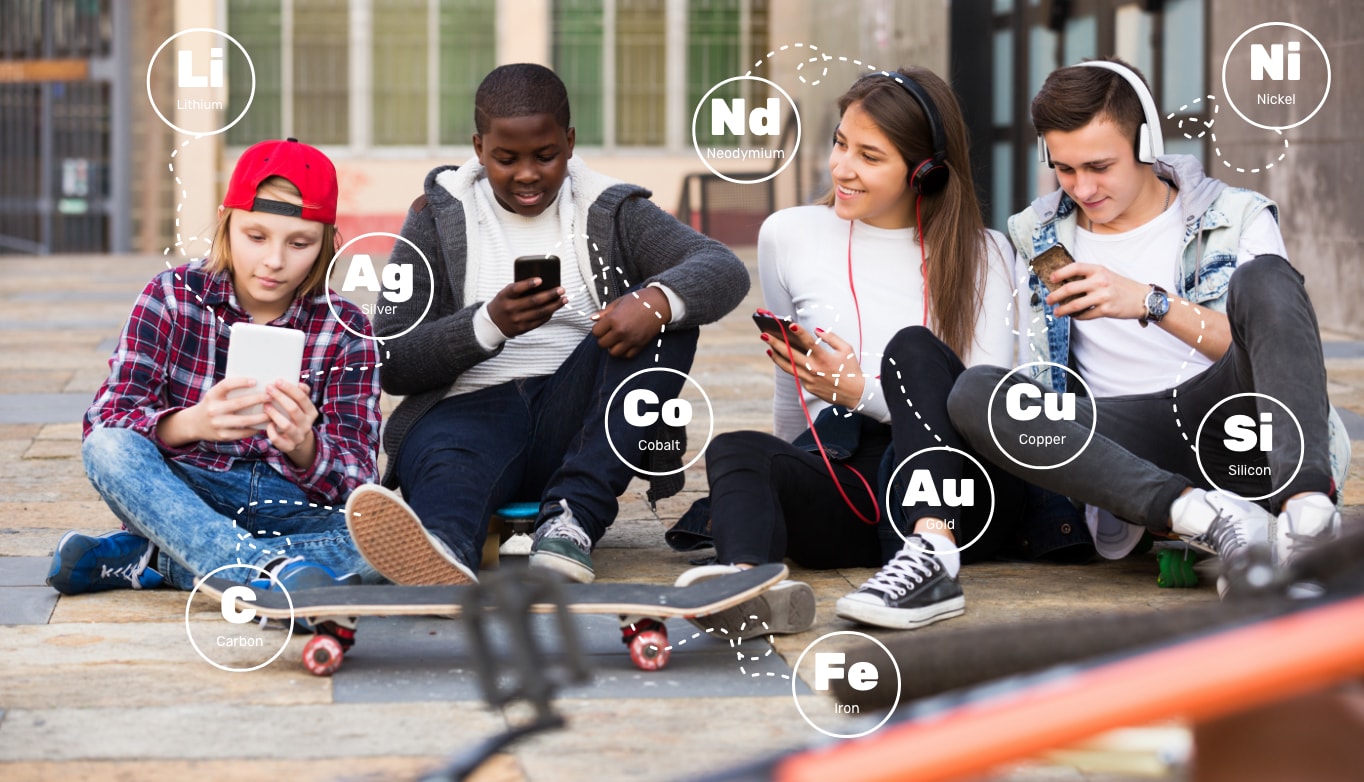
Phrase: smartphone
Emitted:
{"points": [[265, 353], [1050, 260], [546, 267], [772, 324]]}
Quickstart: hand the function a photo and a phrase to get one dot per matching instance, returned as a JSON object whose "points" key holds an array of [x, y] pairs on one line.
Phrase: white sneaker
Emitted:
{"points": [[1223, 524], [910, 591], [1304, 524], [788, 607]]}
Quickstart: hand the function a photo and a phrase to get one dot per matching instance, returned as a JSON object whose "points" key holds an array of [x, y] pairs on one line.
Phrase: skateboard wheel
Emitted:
{"points": [[649, 649], [322, 655], [1176, 570]]}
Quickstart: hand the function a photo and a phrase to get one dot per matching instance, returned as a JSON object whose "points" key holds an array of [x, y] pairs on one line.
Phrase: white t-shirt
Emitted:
{"points": [[803, 266], [1118, 357], [506, 236]]}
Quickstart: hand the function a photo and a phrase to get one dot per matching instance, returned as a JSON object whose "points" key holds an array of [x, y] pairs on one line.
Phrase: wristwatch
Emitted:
{"points": [[1157, 304]]}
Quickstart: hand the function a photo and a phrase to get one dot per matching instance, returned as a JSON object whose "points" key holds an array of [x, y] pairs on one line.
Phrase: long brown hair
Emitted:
{"points": [[953, 229], [220, 252]]}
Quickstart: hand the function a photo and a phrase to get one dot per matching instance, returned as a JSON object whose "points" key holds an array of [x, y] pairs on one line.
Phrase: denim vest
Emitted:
{"points": [[1214, 217]]}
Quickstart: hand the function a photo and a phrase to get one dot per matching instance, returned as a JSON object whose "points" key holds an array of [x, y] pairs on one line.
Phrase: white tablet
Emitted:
{"points": [[266, 353]]}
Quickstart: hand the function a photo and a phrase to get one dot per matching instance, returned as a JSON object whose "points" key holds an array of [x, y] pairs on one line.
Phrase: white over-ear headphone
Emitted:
{"points": [[1150, 142]]}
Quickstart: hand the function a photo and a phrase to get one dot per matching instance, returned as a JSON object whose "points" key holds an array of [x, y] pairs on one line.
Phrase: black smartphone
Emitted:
{"points": [[772, 324], [546, 267]]}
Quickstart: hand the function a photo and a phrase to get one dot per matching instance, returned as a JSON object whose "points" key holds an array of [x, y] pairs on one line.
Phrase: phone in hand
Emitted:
{"points": [[265, 353], [546, 267], [1051, 260], [769, 323]]}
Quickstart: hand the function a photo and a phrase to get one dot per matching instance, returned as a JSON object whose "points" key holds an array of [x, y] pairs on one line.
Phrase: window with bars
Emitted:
{"points": [[420, 61], [617, 59]]}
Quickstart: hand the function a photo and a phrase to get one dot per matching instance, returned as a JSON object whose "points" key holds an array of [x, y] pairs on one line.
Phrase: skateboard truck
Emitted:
{"points": [[525, 671]]}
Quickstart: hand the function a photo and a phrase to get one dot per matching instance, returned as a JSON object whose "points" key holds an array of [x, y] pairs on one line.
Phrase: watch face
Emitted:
{"points": [[1157, 304]]}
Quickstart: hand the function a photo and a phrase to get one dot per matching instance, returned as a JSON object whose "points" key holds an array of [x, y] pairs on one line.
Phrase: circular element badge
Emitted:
{"points": [[389, 287], [1234, 455], [1040, 431], [228, 638], [732, 121], [643, 408], [950, 500], [832, 663], [1276, 75], [201, 80]]}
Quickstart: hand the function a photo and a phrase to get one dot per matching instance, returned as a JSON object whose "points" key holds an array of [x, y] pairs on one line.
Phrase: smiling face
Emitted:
{"points": [[1096, 166], [272, 255], [526, 159], [871, 178]]}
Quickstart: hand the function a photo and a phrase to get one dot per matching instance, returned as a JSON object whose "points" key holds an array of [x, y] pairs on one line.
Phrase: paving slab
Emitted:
{"points": [[207, 729], [42, 408], [413, 658], [26, 605], [23, 571]]}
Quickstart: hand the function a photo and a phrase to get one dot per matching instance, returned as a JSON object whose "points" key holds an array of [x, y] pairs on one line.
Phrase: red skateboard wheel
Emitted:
{"points": [[322, 655], [649, 649]]}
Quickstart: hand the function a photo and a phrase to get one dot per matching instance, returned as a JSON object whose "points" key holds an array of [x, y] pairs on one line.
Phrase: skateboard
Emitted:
{"points": [[641, 608]]}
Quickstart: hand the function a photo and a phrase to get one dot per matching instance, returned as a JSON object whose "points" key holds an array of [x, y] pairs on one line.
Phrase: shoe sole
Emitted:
{"points": [[393, 541], [565, 566], [783, 609], [899, 618]]}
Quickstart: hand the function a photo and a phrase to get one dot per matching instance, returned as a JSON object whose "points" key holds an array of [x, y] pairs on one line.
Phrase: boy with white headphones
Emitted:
{"points": [[1180, 309]]}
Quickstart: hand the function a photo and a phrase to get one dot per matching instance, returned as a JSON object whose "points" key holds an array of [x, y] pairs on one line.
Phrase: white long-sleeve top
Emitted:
{"points": [[804, 269]]}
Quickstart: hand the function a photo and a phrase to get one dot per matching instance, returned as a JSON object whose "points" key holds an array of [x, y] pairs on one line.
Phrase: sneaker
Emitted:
{"points": [[393, 541], [95, 563], [912, 590], [1304, 524], [788, 607], [563, 546], [1223, 524], [298, 573]]}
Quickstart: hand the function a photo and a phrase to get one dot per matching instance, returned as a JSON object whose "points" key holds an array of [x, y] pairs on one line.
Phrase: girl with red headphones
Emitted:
{"points": [[891, 282]]}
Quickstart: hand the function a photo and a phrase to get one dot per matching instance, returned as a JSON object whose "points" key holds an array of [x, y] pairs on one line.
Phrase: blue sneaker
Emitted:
{"points": [[298, 573], [96, 563]]}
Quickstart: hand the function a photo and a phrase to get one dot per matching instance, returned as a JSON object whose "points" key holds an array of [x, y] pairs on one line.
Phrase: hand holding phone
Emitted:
{"points": [[1049, 261], [521, 307], [546, 267], [778, 327]]}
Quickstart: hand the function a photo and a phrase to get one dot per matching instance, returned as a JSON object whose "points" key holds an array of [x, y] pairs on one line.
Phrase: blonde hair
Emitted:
{"points": [[220, 253]]}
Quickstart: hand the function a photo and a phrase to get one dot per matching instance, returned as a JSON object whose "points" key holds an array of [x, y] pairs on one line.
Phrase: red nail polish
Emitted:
{"points": [[795, 327], [819, 331], [765, 338], [769, 354]]}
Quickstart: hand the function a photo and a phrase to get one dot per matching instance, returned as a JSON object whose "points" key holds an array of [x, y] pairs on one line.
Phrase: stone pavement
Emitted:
{"points": [[107, 686]]}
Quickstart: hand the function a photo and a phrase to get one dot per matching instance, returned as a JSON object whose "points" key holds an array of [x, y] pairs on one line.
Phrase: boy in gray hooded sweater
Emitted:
{"points": [[506, 387]]}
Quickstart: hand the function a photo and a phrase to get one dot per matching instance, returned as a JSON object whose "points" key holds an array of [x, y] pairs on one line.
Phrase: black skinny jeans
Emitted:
{"points": [[771, 499], [1140, 460]]}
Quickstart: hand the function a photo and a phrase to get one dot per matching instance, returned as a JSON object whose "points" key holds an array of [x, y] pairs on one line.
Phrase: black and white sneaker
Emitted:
{"points": [[912, 590]]}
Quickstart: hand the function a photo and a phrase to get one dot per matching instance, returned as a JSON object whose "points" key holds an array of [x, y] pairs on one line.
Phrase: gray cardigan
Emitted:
{"points": [[629, 242]]}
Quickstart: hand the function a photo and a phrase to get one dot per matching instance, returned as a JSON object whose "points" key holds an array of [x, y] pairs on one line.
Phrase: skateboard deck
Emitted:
{"points": [[651, 600], [641, 608]]}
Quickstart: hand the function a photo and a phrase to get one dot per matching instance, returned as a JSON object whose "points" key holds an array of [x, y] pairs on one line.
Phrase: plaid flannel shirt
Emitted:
{"points": [[174, 349]]}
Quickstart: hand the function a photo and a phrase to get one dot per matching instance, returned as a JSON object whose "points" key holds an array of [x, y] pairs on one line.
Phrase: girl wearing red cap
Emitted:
{"points": [[198, 480]]}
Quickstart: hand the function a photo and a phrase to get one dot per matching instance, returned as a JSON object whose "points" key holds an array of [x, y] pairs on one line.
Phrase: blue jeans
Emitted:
{"points": [[201, 520], [538, 438]]}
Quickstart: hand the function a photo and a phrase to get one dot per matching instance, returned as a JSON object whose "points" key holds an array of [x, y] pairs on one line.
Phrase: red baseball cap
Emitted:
{"points": [[306, 167]]}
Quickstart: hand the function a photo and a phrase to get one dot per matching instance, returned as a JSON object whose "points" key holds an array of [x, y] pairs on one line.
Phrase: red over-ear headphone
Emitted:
{"points": [[930, 175]]}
